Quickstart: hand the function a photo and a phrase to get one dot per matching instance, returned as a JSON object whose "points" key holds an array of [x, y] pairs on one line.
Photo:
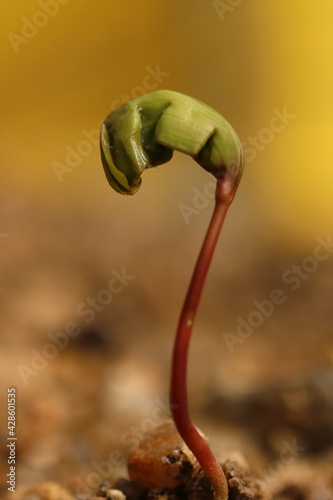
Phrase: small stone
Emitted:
{"points": [[113, 494], [162, 460]]}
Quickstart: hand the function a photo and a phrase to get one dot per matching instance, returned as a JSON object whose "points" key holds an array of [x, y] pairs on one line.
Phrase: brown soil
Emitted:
{"points": [[81, 415]]}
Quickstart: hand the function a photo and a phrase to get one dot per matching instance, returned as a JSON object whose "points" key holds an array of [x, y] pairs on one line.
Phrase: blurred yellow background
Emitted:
{"points": [[243, 58], [265, 66]]}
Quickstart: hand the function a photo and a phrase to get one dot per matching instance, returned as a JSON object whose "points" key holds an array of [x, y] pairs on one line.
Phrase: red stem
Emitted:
{"points": [[178, 390]]}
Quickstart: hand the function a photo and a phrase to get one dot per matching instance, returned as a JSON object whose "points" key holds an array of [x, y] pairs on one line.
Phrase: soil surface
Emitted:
{"points": [[90, 384]]}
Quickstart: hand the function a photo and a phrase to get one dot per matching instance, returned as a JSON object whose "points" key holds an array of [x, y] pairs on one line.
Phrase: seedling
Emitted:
{"points": [[141, 134]]}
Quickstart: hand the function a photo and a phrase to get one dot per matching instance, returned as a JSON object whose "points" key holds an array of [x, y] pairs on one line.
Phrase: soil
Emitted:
{"points": [[267, 407]]}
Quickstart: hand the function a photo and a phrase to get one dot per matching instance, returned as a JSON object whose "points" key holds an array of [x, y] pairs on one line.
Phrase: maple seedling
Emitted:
{"points": [[141, 134]]}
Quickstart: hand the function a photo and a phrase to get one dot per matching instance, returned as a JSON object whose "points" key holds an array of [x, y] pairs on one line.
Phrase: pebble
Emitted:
{"points": [[162, 460], [113, 494]]}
